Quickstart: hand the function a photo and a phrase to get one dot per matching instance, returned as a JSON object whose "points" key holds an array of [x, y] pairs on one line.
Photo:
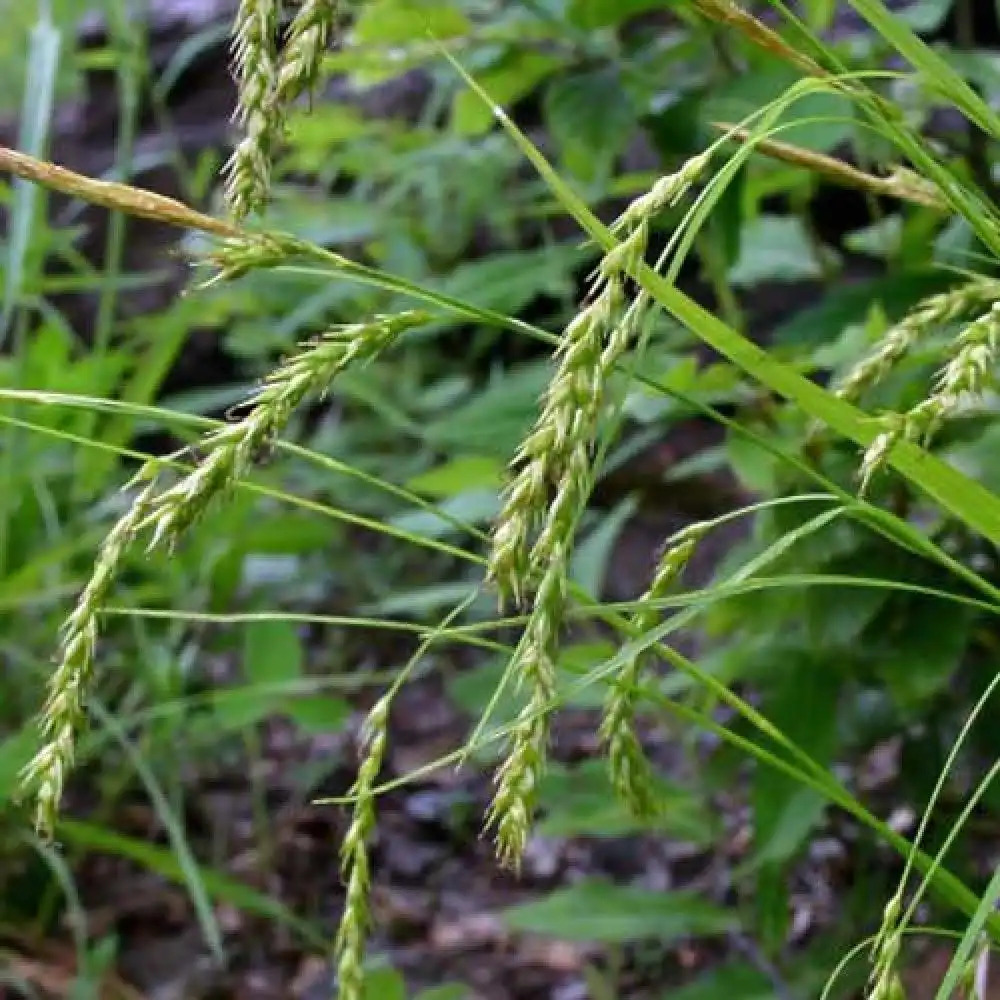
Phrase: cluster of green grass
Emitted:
{"points": [[867, 580]]}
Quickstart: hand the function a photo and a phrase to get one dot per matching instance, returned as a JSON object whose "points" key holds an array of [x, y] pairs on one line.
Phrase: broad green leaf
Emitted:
{"points": [[791, 826], [272, 656], [802, 703], [756, 468], [580, 802], [472, 691], [843, 307], [579, 657], [591, 119], [515, 76], [881, 239], [447, 991], [15, 751], [917, 655], [384, 984], [402, 22], [472, 507], [162, 861], [836, 620], [653, 400], [598, 911], [458, 474], [978, 458], [312, 135], [423, 602], [495, 420], [817, 121], [317, 713], [285, 534], [511, 281], [955, 245], [593, 14], [272, 652], [238, 708], [775, 248], [855, 341]]}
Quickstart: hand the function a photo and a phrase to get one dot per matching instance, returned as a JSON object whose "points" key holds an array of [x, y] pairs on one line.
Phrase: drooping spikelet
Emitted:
{"points": [[512, 809], [302, 55], [248, 172], [665, 193], [226, 455], [533, 535], [268, 82], [65, 712], [553, 456], [965, 377], [628, 767], [930, 314], [230, 450], [355, 920]]}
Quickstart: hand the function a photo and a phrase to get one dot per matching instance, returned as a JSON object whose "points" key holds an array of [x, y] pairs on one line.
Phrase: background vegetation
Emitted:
{"points": [[235, 668]]}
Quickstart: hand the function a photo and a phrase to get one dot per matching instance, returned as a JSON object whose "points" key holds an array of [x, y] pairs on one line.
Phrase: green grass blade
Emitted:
{"points": [[935, 72], [164, 863], [33, 137], [325, 510], [36, 117], [945, 886], [980, 919], [977, 210], [955, 493], [76, 914], [190, 873], [127, 39]]}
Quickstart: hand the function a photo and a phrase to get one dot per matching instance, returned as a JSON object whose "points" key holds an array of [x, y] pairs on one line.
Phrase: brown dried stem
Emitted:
{"points": [[728, 13], [902, 184], [112, 195]]}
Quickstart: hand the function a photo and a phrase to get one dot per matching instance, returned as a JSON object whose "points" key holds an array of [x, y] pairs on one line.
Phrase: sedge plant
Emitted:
{"points": [[528, 553]]}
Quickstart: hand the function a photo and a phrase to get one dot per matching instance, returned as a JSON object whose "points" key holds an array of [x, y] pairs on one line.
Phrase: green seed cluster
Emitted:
{"points": [[268, 81], [227, 453], [533, 535], [968, 373], [628, 767], [65, 712], [352, 932], [930, 314]]}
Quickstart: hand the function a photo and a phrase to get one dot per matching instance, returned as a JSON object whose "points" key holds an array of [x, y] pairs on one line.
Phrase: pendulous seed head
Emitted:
{"points": [[899, 340], [532, 539], [629, 769], [229, 451], [967, 374], [300, 60], [268, 81], [248, 171], [665, 193], [355, 921], [65, 713]]}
